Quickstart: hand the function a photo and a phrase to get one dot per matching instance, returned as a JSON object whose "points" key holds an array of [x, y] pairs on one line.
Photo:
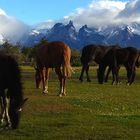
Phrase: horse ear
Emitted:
{"points": [[23, 102], [35, 67]]}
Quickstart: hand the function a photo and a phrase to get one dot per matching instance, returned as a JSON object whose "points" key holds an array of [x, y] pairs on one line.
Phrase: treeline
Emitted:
{"points": [[25, 55]]}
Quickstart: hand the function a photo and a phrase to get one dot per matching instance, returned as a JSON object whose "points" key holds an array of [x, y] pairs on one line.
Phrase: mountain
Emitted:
{"points": [[90, 36], [66, 33], [32, 37], [124, 35]]}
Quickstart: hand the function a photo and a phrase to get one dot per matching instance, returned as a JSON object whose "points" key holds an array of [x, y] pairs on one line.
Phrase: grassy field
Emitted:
{"points": [[89, 111]]}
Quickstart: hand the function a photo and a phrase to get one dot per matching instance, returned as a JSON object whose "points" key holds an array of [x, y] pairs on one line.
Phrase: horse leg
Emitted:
{"points": [[128, 69], [87, 69], [114, 76], [117, 75], [61, 80], [46, 80], [4, 111], [63, 86], [8, 122], [82, 73], [43, 80], [132, 75], [38, 80], [101, 73], [2, 114], [108, 71], [118, 68]]}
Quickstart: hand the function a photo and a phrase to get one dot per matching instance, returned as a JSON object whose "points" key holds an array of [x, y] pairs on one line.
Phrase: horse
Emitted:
{"points": [[95, 53], [53, 55], [11, 95], [129, 57]]}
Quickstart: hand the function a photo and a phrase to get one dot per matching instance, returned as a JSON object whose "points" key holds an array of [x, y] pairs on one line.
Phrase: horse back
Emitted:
{"points": [[89, 53], [52, 54], [125, 55]]}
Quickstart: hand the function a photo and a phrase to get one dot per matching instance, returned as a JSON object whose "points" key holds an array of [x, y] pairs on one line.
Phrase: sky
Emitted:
{"points": [[17, 16], [35, 11]]}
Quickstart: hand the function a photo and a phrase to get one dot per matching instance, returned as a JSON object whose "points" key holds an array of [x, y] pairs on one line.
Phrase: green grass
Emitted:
{"points": [[89, 111]]}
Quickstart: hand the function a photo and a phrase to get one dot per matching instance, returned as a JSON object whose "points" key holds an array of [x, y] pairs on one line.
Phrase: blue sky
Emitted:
{"points": [[35, 11]]}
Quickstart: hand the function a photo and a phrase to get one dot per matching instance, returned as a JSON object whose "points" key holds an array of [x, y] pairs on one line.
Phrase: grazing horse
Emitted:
{"points": [[53, 55], [95, 53], [11, 96], [129, 57]]}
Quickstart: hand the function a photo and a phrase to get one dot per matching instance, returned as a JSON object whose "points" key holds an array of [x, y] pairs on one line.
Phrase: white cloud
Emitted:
{"points": [[99, 12], [106, 12], [2, 12], [46, 24], [107, 4], [131, 13], [11, 28]]}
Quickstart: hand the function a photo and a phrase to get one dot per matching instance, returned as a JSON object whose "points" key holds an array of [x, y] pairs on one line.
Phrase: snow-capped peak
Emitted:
{"points": [[34, 32]]}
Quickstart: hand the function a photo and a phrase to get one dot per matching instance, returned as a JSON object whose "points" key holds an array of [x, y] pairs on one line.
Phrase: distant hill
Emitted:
{"points": [[124, 35]]}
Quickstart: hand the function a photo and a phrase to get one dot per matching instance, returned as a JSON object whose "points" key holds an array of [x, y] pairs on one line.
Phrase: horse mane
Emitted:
{"points": [[43, 41]]}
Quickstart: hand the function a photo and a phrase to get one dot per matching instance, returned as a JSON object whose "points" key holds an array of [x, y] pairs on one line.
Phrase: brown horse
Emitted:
{"points": [[53, 55], [129, 57], [11, 96], [95, 53]]}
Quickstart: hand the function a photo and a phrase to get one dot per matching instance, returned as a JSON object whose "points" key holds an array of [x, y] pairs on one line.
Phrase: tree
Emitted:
{"points": [[75, 58], [13, 50]]}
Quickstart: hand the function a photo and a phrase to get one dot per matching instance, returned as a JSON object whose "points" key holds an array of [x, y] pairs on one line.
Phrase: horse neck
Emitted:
{"points": [[44, 43], [15, 85]]}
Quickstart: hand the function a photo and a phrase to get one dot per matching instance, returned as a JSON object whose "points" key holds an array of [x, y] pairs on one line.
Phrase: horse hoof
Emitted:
{"points": [[38, 87], [60, 95], [128, 84], [45, 92], [88, 80], [63, 94], [80, 79], [8, 127], [113, 83]]}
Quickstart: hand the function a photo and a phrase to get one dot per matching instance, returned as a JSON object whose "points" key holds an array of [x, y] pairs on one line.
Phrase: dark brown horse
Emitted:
{"points": [[53, 55], [129, 57], [95, 53], [11, 96]]}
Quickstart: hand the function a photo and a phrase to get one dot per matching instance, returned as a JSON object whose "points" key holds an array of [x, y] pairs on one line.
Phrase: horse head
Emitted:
{"points": [[100, 73], [15, 110], [37, 77]]}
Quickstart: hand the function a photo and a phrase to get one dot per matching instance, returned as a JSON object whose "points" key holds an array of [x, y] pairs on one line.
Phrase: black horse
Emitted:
{"points": [[11, 96], [95, 53], [129, 57]]}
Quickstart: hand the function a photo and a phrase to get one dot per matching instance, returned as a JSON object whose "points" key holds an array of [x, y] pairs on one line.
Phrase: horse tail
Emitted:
{"points": [[85, 56], [138, 60], [67, 69]]}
